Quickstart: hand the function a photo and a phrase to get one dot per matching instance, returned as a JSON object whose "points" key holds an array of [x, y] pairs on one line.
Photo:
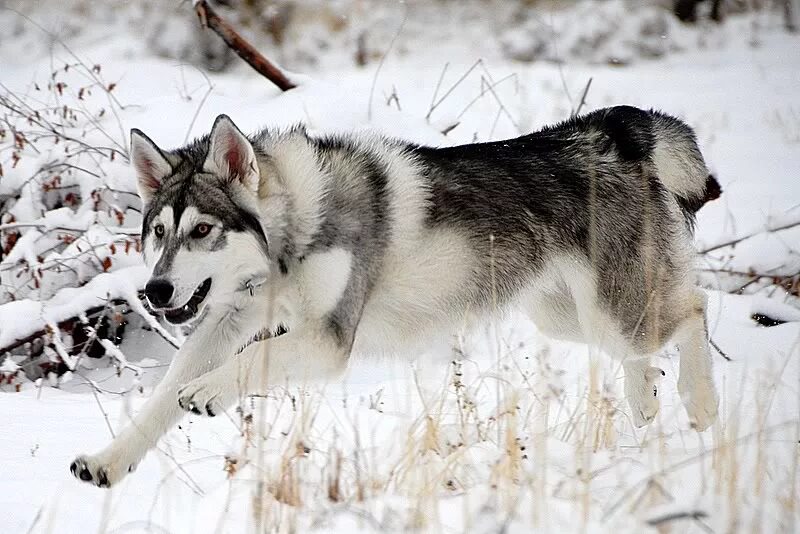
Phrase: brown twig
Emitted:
{"points": [[209, 19]]}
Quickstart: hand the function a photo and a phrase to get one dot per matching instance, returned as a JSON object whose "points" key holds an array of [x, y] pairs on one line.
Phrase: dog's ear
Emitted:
{"points": [[230, 155], [151, 164]]}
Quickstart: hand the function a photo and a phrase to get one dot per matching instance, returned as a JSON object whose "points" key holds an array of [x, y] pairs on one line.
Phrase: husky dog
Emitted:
{"points": [[362, 244]]}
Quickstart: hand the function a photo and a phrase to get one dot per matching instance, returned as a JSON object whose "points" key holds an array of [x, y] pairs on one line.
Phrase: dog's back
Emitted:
{"points": [[614, 191]]}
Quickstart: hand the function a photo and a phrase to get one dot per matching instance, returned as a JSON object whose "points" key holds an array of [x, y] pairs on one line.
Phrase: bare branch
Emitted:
{"points": [[583, 99], [738, 240], [209, 19], [382, 61]]}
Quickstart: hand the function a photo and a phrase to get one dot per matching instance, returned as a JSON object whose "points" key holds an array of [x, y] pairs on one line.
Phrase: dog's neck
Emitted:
{"points": [[293, 186]]}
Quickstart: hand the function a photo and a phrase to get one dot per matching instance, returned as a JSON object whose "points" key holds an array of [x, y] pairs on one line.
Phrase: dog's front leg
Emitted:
{"points": [[311, 355], [198, 355]]}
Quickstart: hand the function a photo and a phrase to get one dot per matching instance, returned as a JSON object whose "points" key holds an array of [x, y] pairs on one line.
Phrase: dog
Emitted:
{"points": [[358, 244]]}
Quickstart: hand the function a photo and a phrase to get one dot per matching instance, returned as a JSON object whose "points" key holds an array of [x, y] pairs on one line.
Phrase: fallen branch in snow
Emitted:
{"points": [[209, 19]]}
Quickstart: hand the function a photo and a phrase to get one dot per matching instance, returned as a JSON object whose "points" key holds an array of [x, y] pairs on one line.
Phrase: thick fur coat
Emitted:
{"points": [[364, 244]]}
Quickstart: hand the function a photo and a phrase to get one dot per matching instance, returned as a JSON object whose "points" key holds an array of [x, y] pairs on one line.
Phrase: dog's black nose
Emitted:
{"points": [[159, 291]]}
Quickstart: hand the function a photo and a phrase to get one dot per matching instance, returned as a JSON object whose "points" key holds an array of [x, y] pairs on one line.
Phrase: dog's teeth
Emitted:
{"points": [[186, 307]]}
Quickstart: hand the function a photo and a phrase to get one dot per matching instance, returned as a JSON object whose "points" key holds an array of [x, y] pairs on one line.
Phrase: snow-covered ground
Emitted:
{"points": [[520, 432]]}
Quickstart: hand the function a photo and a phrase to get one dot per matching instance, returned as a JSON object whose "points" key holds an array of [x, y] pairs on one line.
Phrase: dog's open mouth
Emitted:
{"points": [[186, 312]]}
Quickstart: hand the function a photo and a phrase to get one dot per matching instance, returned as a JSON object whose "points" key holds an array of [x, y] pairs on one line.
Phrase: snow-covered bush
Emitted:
{"points": [[68, 213]]}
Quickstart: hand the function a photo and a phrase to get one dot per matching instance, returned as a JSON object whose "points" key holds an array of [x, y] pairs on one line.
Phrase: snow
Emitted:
{"points": [[9, 367], [525, 434], [69, 302]]}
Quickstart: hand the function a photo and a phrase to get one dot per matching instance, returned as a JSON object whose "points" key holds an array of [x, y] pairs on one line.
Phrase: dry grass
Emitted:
{"points": [[529, 439]]}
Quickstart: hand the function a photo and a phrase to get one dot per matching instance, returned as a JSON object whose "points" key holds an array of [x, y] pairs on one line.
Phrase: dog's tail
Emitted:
{"points": [[680, 166]]}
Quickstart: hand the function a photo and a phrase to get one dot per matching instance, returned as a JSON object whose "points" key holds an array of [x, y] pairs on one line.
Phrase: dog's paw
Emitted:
{"points": [[641, 391], [99, 470], [644, 414], [643, 409], [203, 396], [701, 404]]}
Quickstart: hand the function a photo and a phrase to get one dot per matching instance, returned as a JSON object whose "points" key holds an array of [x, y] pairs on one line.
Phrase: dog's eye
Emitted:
{"points": [[201, 230], [159, 230]]}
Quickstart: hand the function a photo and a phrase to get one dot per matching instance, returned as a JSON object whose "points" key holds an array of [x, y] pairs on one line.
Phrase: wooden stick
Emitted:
{"points": [[209, 19]]}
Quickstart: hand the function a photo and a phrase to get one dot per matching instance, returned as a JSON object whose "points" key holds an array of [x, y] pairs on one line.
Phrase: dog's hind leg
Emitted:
{"points": [[601, 329], [696, 380]]}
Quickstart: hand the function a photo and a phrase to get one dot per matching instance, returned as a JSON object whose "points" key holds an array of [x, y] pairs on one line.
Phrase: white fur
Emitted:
{"points": [[322, 279], [190, 218], [417, 287], [696, 381], [678, 173], [298, 178]]}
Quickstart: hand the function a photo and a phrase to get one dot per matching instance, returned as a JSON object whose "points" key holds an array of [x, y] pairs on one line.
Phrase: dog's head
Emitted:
{"points": [[201, 231]]}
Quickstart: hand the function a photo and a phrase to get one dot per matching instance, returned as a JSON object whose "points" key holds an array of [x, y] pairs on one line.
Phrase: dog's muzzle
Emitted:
{"points": [[189, 310]]}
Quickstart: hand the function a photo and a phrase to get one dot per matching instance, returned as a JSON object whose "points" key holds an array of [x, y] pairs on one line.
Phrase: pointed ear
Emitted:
{"points": [[151, 164], [230, 154]]}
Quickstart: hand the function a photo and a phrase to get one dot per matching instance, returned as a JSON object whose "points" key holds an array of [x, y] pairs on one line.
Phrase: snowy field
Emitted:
{"points": [[497, 429]]}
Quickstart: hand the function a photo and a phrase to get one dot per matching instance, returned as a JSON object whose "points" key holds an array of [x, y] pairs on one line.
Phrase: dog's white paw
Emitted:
{"points": [[641, 391], [701, 404], [102, 470], [203, 396], [643, 411]]}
